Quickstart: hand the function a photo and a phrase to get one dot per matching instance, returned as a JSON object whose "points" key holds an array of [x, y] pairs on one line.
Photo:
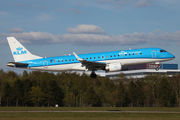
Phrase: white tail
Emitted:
{"points": [[19, 52]]}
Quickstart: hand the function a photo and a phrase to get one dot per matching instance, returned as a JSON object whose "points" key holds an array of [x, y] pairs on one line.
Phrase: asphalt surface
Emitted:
{"points": [[90, 111]]}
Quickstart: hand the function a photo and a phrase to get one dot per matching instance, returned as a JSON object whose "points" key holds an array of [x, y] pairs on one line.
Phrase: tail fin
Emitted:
{"points": [[19, 52]]}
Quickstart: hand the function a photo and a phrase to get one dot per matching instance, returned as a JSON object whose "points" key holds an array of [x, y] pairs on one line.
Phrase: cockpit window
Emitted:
{"points": [[163, 51]]}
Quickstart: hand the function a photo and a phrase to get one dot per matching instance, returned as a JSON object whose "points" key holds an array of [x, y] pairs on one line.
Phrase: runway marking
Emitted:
{"points": [[90, 111]]}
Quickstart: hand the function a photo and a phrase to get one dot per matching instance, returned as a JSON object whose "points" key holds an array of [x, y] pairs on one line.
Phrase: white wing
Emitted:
{"points": [[91, 65]]}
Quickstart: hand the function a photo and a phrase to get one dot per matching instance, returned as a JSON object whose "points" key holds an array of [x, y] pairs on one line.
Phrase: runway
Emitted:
{"points": [[90, 111]]}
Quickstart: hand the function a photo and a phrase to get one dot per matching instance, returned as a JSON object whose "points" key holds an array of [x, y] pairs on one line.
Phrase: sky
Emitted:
{"points": [[59, 27]]}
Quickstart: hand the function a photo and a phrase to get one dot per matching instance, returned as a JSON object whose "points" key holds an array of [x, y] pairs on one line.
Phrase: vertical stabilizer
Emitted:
{"points": [[19, 52]]}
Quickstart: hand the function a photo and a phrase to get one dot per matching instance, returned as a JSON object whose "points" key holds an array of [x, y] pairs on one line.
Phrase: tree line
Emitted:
{"points": [[71, 89]]}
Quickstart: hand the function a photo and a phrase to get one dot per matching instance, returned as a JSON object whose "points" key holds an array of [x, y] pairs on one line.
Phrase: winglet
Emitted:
{"points": [[77, 57]]}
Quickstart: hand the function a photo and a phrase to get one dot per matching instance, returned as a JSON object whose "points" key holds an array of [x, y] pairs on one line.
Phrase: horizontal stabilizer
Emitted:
{"points": [[17, 64]]}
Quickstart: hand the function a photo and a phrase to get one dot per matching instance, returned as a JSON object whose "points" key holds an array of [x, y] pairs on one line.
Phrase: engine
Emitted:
{"points": [[113, 67]]}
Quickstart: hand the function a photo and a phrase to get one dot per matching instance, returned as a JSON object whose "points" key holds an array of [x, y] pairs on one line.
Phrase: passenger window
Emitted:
{"points": [[102, 56], [111, 56], [94, 57], [136, 53], [118, 55], [98, 57], [107, 56], [133, 53], [87, 58], [125, 54], [90, 58], [69, 60], [129, 54], [114, 55], [62, 60], [72, 59], [141, 53], [66, 60]]}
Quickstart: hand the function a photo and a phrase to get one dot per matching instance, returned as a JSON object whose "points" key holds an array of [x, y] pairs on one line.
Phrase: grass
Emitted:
{"points": [[88, 116], [89, 109]]}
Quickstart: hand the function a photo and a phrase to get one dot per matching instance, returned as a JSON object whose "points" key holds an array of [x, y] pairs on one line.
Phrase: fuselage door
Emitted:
{"points": [[45, 64], [153, 53]]}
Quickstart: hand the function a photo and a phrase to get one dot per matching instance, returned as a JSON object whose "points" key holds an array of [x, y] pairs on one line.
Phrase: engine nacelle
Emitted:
{"points": [[113, 67]]}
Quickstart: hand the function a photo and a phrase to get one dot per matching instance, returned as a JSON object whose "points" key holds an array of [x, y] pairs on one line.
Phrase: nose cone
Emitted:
{"points": [[171, 56]]}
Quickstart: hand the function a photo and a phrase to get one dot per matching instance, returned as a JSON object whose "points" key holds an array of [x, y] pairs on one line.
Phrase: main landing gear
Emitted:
{"points": [[93, 74]]}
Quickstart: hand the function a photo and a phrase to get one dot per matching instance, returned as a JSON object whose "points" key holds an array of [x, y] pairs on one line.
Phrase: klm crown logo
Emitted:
{"points": [[19, 51], [122, 52]]}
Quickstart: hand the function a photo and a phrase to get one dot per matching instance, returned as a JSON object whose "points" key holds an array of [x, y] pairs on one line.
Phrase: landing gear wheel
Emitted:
{"points": [[157, 69], [93, 75]]}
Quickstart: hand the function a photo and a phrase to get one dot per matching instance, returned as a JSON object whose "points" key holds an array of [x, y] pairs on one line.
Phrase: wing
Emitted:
{"points": [[89, 64]]}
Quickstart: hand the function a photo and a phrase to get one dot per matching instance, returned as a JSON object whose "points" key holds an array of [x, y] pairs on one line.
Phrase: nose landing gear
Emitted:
{"points": [[157, 67]]}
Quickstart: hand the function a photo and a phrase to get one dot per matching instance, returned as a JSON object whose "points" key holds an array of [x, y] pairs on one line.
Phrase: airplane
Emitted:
{"points": [[107, 61]]}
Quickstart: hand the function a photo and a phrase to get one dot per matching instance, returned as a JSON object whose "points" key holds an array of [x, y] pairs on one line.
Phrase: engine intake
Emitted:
{"points": [[113, 67]]}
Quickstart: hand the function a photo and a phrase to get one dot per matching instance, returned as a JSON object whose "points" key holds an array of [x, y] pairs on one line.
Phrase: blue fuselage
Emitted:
{"points": [[125, 57]]}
